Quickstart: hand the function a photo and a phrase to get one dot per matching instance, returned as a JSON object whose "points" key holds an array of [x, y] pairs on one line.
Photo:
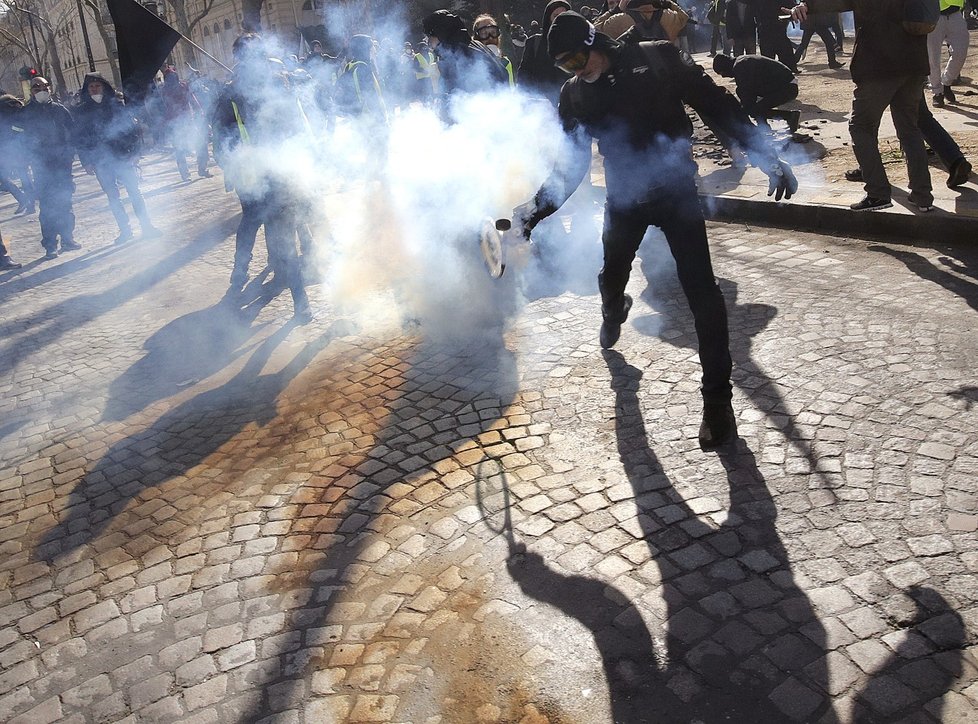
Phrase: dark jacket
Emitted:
{"points": [[883, 49], [104, 131], [469, 67], [757, 76], [537, 70], [637, 113], [12, 132], [50, 131]]}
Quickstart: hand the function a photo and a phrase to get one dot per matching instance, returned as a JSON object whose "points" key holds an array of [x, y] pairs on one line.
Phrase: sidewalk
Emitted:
{"points": [[823, 199]]}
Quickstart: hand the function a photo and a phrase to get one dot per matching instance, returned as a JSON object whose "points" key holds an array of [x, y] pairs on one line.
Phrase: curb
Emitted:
{"points": [[838, 221]]}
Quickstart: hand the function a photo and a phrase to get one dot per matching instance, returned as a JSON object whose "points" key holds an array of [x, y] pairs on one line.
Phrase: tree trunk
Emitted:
{"points": [[59, 76], [251, 15], [182, 24], [106, 41]]}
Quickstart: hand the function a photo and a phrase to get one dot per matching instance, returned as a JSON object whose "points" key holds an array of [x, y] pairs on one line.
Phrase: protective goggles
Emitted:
{"points": [[486, 32], [573, 62]]}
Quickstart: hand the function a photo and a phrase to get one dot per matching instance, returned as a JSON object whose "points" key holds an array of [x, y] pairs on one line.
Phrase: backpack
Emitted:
{"points": [[920, 16]]}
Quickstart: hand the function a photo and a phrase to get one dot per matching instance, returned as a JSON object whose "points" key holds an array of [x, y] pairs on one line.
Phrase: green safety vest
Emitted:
{"points": [[948, 4]]}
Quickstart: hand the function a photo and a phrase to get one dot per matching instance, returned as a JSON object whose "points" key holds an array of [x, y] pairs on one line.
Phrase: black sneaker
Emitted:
{"points": [[869, 204], [719, 426], [70, 245], [611, 328], [959, 174], [854, 174], [7, 263], [51, 254], [938, 100], [836, 65], [949, 95]]}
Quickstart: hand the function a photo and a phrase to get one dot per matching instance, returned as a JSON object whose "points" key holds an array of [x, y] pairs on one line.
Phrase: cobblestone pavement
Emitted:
{"points": [[218, 517]]}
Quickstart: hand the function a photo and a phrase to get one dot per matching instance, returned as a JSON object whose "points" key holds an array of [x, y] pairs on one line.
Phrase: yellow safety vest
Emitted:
{"points": [[948, 4]]}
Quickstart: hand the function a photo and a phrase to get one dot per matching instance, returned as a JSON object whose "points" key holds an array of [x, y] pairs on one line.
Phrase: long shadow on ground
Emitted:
{"points": [[30, 336], [179, 440], [422, 407]]}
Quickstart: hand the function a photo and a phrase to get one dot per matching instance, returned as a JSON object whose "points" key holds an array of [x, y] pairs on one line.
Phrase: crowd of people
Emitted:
{"points": [[619, 74]]}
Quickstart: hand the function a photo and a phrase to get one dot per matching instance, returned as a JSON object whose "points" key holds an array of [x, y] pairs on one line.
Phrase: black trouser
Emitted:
{"points": [[54, 190], [273, 209], [244, 238], [111, 173], [760, 108], [825, 34], [773, 39], [678, 214], [7, 184]]}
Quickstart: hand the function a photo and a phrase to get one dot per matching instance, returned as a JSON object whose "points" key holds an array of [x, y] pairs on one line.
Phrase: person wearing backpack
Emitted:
{"points": [[952, 28], [889, 67], [631, 97]]}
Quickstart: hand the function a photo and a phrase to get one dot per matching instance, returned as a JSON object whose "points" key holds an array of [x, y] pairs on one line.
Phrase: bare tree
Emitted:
{"points": [[38, 12], [107, 40], [185, 21]]}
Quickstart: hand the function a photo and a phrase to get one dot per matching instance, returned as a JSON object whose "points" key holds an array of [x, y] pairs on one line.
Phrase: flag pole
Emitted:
{"points": [[197, 47]]}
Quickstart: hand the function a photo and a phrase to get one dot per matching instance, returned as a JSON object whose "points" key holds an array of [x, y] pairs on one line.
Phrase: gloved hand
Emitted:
{"points": [[522, 215], [781, 180]]}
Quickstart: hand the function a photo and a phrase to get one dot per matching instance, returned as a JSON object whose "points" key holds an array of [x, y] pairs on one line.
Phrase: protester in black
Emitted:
{"points": [[631, 99], [254, 115], [108, 146], [13, 162], [763, 84], [49, 127], [537, 71], [464, 64]]}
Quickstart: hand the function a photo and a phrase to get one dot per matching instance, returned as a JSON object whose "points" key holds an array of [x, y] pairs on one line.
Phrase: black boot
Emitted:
{"points": [[719, 425], [611, 326]]}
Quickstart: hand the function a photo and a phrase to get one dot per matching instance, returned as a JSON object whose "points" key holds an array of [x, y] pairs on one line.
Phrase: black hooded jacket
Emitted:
{"points": [[636, 112], [105, 131], [537, 70]]}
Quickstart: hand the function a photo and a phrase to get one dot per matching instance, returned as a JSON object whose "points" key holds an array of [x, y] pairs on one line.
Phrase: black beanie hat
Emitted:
{"points": [[569, 32], [443, 24]]}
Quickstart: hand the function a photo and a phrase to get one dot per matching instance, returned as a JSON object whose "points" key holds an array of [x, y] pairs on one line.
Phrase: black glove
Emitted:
{"points": [[523, 219], [781, 180]]}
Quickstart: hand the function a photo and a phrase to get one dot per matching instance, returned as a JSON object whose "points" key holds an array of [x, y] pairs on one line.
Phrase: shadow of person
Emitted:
{"points": [[746, 322], [46, 326], [175, 443], [635, 684], [411, 412], [923, 666], [12, 286], [742, 639], [185, 351], [925, 269]]}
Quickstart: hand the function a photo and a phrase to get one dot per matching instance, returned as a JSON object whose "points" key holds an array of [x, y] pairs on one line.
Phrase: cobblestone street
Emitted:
{"points": [[219, 516]]}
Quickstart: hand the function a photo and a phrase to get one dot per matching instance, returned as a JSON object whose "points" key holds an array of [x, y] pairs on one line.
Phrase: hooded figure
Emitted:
{"points": [[107, 138], [463, 63], [537, 70], [50, 136], [186, 126], [358, 89]]}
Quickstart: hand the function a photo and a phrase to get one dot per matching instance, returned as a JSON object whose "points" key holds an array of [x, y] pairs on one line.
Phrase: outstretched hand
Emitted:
{"points": [[798, 12], [781, 181]]}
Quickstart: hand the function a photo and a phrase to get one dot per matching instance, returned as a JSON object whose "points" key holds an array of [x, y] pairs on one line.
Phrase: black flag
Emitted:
{"points": [[144, 42]]}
